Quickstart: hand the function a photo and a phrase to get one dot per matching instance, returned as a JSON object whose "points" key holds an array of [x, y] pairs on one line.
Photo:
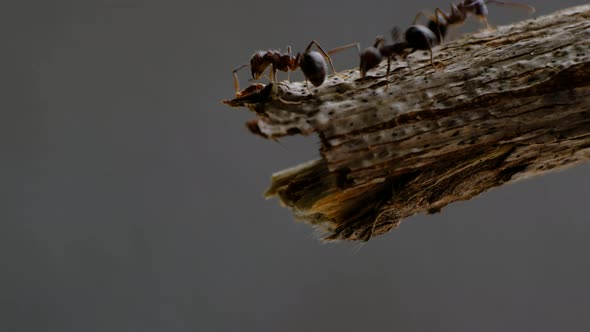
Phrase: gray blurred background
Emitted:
{"points": [[131, 199]]}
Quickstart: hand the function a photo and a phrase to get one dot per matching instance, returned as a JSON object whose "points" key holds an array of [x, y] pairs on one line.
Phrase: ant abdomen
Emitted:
{"points": [[313, 65], [420, 37]]}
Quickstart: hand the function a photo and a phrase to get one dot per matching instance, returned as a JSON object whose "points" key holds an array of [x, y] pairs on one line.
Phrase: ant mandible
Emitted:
{"points": [[312, 64]]}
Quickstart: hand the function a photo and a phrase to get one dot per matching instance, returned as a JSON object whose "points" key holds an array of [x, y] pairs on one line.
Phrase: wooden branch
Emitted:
{"points": [[509, 104]]}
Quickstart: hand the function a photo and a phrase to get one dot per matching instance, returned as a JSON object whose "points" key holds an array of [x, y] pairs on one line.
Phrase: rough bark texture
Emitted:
{"points": [[509, 104]]}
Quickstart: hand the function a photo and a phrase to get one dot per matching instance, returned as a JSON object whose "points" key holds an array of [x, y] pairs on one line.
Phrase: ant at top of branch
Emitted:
{"points": [[372, 56], [440, 21], [425, 37], [312, 64], [416, 37]]}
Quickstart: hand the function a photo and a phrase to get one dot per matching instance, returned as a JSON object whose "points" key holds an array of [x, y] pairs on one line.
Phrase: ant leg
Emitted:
{"points": [[307, 86], [274, 75], [270, 77], [273, 79], [288, 71], [444, 16], [313, 42], [432, 60], [421, 13], [522, 6], [235, 73], [485, 21], [408, 61]]}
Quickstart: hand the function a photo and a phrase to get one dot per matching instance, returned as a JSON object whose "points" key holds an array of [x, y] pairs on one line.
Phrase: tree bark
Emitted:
{"points": [[509, 104]]}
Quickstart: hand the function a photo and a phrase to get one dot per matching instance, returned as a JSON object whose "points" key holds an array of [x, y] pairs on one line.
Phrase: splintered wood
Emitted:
{"points": [[509, 104]]}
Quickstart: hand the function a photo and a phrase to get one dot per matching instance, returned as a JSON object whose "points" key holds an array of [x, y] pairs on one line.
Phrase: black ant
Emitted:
{"points": [[372, 56], [312, 64], [440, 21], [420, 37], [417, 37]]}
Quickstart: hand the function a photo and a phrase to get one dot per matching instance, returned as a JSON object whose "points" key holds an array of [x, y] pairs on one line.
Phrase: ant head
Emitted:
{"points": [[370, 58], [313, 65], [380, 40], [258, 64]]}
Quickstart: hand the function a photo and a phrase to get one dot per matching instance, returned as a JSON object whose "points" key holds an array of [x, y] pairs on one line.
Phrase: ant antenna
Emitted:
{"points": [[522, 6], [345, 47], [235, 72], [395, 34], [288, 71]]}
